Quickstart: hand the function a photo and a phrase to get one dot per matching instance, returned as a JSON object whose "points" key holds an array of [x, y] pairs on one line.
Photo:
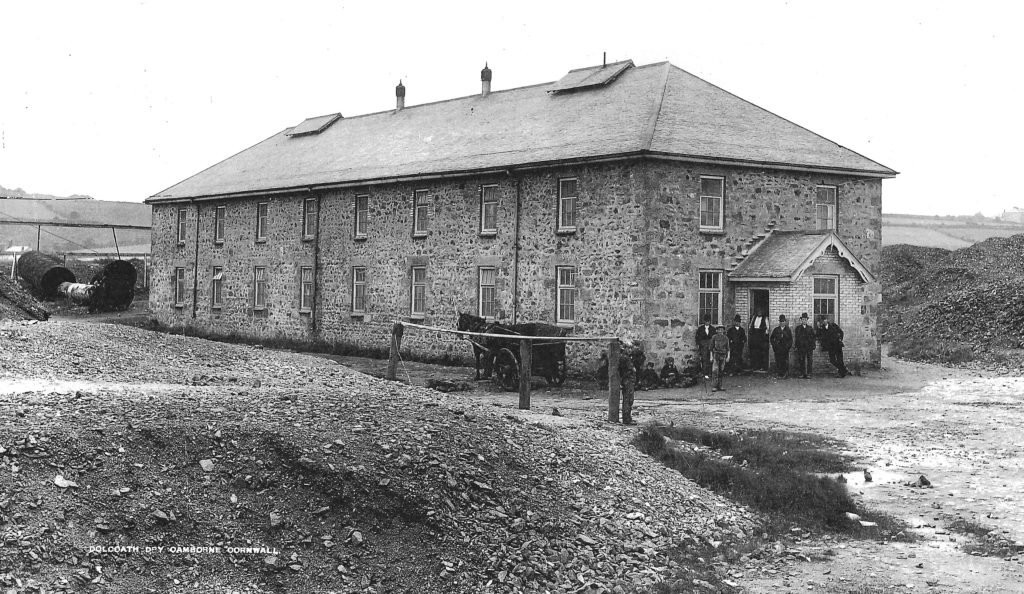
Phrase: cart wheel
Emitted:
{"points": [[506, 367], [556, 375]]}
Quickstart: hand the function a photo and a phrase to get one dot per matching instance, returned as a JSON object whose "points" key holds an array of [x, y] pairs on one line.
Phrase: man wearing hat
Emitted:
{"points": [[757, 339], [704, 334], [782, 342], [737, 340], [805, 342], [831, 336]]}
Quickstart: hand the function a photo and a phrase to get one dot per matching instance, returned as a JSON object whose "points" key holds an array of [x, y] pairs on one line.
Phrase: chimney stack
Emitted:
{"points": [[399, 97], [485, 80]]}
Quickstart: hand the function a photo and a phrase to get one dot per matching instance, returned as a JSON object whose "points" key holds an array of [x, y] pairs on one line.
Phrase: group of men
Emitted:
{"points": [[721, 351]]}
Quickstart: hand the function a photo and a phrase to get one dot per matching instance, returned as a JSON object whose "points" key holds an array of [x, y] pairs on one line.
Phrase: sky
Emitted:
{"points": [[120, 100]]}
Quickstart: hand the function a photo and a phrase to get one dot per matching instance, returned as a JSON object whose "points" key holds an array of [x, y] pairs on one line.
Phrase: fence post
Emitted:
{"points": [[525, 371], [613, 381], [396, 343]]}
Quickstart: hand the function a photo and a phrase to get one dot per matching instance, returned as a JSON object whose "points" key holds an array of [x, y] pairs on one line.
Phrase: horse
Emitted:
{"points": [[482, 348]]}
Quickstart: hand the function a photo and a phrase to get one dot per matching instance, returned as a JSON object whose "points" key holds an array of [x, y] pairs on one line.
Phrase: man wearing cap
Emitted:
{"points": [[720, 349], [704, 334], [737, 340], [782, 342], [831, 336], [805, 342]]}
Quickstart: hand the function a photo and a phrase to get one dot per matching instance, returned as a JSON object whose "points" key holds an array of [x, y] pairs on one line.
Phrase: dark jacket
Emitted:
{"points": [[758, 334], [704, 334], [805, 339], [737, 338], [669, 372], [782, 339], [831, 336]]}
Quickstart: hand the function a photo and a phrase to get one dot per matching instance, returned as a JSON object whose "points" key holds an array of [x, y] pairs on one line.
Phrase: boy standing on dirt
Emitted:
{"points": [[804, 347], [720, 350], [782, 342]]}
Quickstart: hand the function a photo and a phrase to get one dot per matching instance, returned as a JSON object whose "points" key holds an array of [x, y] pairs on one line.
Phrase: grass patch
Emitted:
{"points": [[985, 541], [797, 451], [917, 348], [776, 482]]}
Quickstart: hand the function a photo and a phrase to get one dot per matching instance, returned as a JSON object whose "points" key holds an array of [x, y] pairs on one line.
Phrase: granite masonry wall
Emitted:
{"points": [[636, 249]]}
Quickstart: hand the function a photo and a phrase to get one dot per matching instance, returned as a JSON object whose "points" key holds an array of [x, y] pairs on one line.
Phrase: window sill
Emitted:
{"points": [[489, 234], [357, 314], [179, 306], [264, 240], [360, 238], [308, 237], [216, 308], [566, 231], [181, 244], [712, 230], [218, 242], [420, 235], [417, 317], [305, 312], [562, 324]]}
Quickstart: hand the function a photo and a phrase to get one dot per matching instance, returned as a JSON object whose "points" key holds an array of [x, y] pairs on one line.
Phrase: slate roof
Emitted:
{"points": [[656, 109], [784, 255]]}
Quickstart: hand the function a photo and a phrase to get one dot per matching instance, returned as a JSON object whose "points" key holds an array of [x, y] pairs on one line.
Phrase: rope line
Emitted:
{"points": [[553, 339]]}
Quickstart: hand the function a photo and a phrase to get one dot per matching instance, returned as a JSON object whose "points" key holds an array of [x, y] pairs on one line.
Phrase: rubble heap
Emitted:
{"points": [[124, 437], [969, 296]]}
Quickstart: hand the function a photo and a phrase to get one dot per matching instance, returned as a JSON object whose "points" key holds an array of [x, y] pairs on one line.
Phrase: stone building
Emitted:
{"points": [[620, 200]]}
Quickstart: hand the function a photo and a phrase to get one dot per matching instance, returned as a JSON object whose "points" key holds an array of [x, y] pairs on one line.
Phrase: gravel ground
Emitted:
{"points": [[284, 472]]}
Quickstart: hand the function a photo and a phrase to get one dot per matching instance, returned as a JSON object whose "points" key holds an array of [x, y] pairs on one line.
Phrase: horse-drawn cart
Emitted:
{"points": [[502, 355]]}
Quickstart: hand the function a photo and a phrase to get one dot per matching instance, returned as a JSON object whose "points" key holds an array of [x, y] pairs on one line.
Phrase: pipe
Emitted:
{"points": [[314, 327], [77, 292], [195, 271], [515, 253]]}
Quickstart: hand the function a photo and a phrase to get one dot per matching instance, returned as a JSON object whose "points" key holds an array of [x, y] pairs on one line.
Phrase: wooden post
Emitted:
{"points": [[613, 381], [525, 372], [396, 343]]}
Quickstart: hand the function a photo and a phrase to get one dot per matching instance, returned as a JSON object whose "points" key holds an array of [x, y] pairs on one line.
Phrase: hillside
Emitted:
{"points": [[944, 232], [74, 209], [955, 306]]}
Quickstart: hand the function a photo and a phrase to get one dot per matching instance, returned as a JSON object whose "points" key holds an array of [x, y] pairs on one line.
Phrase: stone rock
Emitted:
{"points": [[207, 465]]}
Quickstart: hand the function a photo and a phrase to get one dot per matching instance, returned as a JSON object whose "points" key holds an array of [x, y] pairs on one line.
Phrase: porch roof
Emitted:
{"points": [[783, 256]]}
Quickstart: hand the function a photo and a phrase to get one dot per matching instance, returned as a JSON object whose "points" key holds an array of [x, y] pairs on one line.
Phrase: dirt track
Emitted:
{"points": [[961, 430]]}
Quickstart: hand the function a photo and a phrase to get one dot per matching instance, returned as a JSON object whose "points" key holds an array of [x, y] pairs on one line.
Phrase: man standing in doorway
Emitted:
{"points": [[704, 335], [831, 337], [782, 342], [758, 340], [804, 347]]}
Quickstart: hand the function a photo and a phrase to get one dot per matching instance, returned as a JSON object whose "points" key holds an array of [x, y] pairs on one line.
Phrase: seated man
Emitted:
{"points": [[649, 378], [670, 374]]}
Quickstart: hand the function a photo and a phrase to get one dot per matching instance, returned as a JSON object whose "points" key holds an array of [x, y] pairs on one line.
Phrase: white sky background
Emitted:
{"points": [[120, 100]]}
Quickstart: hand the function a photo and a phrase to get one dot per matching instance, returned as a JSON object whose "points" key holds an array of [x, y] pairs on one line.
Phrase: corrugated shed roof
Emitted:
{"points": [[657, 107], [784, 255]]}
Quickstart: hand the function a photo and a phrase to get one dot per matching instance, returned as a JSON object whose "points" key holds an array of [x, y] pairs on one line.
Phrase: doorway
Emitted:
{"points": [[759, 302]]}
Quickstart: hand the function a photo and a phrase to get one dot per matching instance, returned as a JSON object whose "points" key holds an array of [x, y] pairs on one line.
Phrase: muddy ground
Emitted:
{"points": [[961, 430]]}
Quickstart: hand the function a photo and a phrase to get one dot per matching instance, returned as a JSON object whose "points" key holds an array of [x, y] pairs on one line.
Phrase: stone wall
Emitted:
{"points": [[636, 249]]}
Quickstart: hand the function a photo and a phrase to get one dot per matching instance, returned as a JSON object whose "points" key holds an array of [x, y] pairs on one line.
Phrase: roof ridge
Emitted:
{"points": [[221, 161], [652, 123], [768, 111]]}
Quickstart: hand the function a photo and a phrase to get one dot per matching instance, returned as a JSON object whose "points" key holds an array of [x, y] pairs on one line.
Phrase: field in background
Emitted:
{"points": [[949, 233]]}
